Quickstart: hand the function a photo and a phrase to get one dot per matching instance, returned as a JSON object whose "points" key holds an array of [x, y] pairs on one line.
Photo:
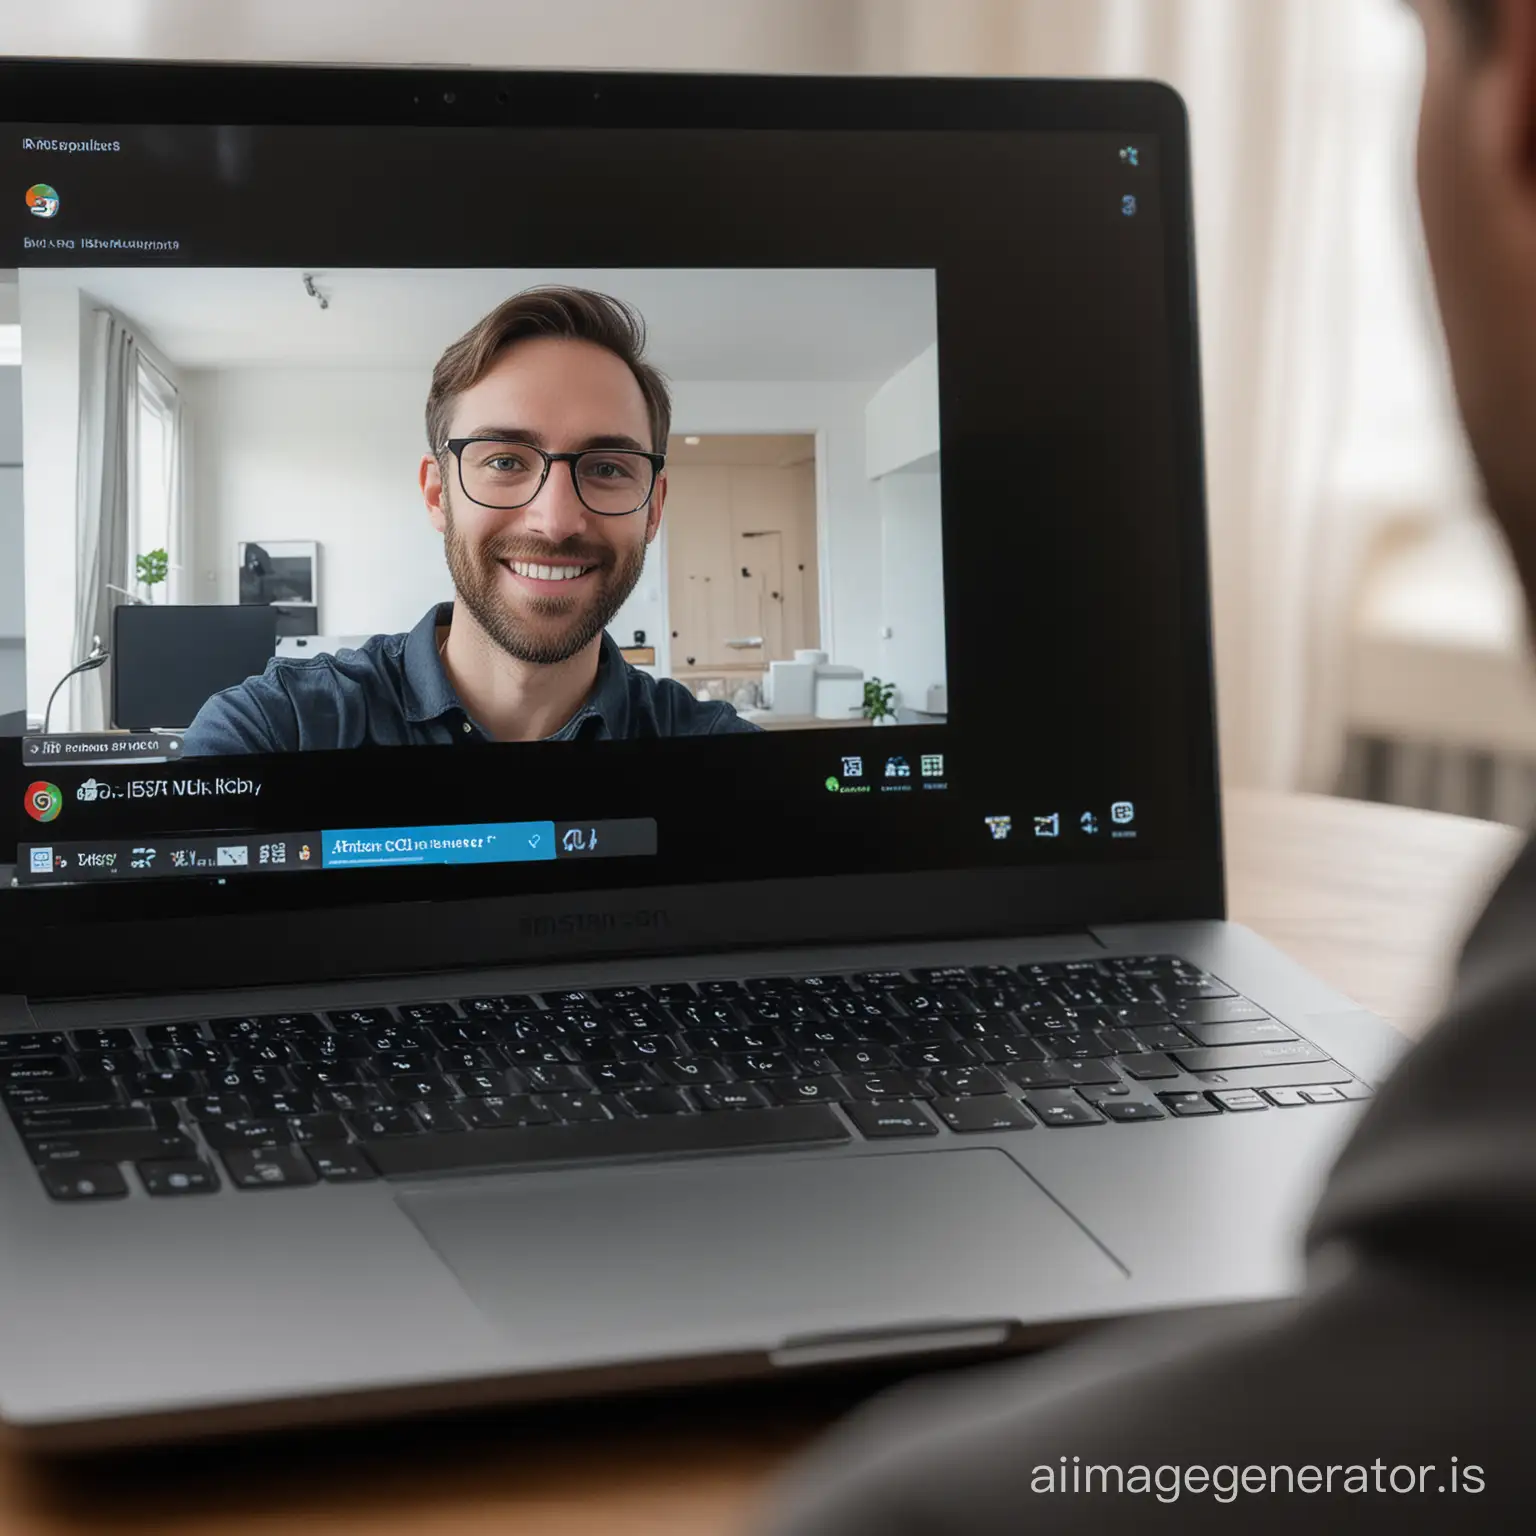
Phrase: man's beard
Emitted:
{"points": [[477, 580]]}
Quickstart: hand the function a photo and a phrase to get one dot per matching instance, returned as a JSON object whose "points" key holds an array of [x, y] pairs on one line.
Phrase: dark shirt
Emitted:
{"points": [[1412, 1343], [393, 692]]}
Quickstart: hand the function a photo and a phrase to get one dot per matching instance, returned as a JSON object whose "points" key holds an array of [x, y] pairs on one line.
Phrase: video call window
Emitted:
{"points": [[306, 511]]}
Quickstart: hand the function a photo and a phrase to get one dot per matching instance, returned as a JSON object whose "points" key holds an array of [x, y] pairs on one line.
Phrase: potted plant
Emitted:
{"points": [[879, 702], [151, 570]]}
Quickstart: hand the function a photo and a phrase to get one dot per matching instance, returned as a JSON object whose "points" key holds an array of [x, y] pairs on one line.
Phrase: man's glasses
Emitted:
{"points": [[612, 482]]}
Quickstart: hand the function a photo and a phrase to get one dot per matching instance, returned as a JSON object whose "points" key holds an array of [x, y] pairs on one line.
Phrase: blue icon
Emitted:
{"points": [[1122, 813], [1131, 156], [1128, 207], [1090, 823], [853, 767], [898, 768], [42, 861], [1048, 826], [999, 827]]}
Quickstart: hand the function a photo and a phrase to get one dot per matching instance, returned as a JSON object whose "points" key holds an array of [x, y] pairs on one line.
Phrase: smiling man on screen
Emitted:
{"points": [[1397, 1392], [546, 476]]}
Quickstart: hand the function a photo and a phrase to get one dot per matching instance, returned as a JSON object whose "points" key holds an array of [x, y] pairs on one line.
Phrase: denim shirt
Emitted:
{"points": [[393, 692]]}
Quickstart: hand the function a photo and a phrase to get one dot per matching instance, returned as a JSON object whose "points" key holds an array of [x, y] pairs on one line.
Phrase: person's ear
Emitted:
{"points": [[653, 512], [432, 492]]}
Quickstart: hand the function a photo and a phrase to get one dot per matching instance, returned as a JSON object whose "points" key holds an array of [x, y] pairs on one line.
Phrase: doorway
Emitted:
{"points": [[742, 578]]}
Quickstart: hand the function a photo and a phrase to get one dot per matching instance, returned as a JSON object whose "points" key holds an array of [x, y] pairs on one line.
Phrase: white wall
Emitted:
{"points": [[902, 430], [324, 454], [902, 424], [52, 336], [912, 566]]}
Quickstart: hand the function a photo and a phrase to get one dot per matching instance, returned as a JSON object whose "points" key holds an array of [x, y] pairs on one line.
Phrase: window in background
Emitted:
{"points": [[154, 480]]}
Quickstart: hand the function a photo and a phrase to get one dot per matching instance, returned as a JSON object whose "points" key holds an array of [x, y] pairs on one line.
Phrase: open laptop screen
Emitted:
{"points": [[605, 507]]}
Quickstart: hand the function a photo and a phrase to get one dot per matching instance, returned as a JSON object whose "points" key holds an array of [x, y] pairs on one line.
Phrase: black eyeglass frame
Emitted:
{"points": [[457, 445]]}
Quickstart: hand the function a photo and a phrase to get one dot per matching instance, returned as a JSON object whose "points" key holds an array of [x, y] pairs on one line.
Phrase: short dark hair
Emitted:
{"points": [[575, 313]]}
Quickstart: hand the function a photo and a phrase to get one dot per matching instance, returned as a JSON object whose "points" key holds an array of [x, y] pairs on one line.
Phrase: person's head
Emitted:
{"points": [[543, 568], [1477, 186]]}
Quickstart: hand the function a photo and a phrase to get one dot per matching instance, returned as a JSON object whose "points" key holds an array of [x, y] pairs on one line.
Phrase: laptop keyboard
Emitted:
{"points": [[278, 1100]]}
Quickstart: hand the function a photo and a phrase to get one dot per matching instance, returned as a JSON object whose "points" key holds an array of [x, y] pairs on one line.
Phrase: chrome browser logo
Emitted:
{"points": [[43, 200]]}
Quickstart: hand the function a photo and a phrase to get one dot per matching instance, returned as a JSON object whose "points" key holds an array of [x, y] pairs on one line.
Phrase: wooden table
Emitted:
{"points": [[1370, 898]]}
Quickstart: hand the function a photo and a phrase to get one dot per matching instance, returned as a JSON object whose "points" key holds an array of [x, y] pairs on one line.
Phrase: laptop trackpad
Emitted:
{"points": [[639, 1261]]}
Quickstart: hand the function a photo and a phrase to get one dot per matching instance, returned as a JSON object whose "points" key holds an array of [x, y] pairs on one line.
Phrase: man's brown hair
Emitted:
{"points": [[578, 314]]}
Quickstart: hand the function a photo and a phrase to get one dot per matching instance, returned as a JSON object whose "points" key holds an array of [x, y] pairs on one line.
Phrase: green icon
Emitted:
{"points": [[833, 785]]}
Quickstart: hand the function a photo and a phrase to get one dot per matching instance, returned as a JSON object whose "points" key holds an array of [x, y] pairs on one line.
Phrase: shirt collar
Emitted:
{"points": [[429, 695]]}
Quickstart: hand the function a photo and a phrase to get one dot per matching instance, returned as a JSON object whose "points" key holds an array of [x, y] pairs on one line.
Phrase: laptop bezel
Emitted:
{"points": [[412, 937]]}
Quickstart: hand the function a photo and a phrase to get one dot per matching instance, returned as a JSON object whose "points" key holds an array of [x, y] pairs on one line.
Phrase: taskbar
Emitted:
{"points": [[222, 855]]}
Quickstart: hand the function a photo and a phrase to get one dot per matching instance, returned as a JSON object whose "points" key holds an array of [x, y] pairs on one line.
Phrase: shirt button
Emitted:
{"points": [[467, 727]]}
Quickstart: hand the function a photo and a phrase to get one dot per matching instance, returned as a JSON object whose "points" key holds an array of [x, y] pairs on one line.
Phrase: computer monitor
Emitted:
{"points": [[167, 661]]}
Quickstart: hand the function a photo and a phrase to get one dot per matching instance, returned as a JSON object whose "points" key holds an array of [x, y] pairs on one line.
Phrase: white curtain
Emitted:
{"points": [[109, 394]]}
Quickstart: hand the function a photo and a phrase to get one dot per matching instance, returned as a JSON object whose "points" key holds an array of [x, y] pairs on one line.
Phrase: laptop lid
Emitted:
{"points": [[863, 596]]}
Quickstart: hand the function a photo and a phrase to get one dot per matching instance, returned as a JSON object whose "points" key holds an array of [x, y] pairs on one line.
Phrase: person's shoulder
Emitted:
{"points": [[379, 655]]}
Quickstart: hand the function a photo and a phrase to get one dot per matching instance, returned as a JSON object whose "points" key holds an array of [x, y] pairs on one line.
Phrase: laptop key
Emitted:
{"points": [[1255, 1032], [989, 1112], [1225, 1010], [862, 1058], [109, 1147], [621, 1074], [1162, 1037], [575, 1106], [376, 1123], [1239, 1099], [34, 1043], [554, 1079], [282, 1101], [794, 1125], [943, 1053], [1286, 1098], [1233, 1057], [806, 1090], [874, 1086], [436, 1117], [517, 1110], [35, 1069], [340, 1162], [656, 1101], [1185, 1105], [1127, 1110], [83, 1181], [1060, 1106], [325, 1128], [71, 1122], [178, 1176], [968, 1082], [274, 1168], [1147, 1067], [884, 1118], [688, 1070], [102, 1039], [229, 1135], [57, 1093], [731, 1096]]}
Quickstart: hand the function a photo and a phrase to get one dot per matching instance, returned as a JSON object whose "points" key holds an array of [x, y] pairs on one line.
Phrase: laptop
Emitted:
{"points": [[575, 985]]}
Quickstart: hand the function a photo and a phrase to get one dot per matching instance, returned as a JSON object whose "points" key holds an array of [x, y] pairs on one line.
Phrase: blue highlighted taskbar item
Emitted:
{"points": [[500, 842]]}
